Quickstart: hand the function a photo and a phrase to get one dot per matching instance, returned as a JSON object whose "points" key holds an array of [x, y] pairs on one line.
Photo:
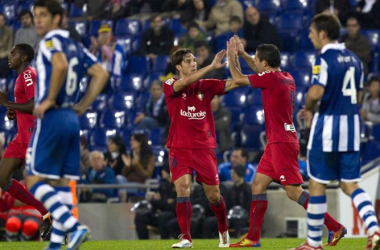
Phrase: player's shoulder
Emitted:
{"points": [[170, 81]]}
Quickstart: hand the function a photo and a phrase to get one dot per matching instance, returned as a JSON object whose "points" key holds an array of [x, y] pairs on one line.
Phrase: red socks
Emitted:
{"points": [[184, 212], [259, 205], [221, 214]]}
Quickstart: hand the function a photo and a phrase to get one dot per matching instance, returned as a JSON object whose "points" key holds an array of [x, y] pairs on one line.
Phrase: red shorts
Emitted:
{"points": [[16, 149], [280, 162], [201, 160]]}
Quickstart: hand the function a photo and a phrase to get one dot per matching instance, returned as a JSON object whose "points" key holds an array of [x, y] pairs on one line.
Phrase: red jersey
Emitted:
{"points": [[191, 118], [277, 91], [24, 91]]}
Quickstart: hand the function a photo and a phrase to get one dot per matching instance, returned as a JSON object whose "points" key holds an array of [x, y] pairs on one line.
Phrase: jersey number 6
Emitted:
{"points": [[71, 78]]}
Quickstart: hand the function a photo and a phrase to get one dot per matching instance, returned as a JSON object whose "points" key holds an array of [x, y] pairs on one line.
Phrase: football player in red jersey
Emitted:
{"points": [[14, 157], [191, 139], [279, 162]]}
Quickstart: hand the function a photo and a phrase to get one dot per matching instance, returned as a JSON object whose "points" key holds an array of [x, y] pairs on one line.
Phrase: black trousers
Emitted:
{"points": [[156, 220]]}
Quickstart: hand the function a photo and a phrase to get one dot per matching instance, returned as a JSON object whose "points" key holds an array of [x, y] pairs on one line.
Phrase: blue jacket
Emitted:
{"points": [[224, 170], [105, 176]]}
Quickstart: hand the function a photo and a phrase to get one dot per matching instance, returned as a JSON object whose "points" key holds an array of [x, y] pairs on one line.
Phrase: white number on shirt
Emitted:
{"points": [[349, 79], [71, 81]]}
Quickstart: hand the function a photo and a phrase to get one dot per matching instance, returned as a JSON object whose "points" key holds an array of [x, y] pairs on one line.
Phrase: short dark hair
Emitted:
{"points": [[373, 79], [83, 141], [53, 6], [235, 19], [177, 57], [200, 44], [25, 12], [328, 23], [26, 50], [269, 53], [244, 152], [154, 16], [192, 25]]}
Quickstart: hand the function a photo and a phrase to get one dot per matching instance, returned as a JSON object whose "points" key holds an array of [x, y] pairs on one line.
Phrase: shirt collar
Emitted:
{"points": [[336, 46], [63, 33]]}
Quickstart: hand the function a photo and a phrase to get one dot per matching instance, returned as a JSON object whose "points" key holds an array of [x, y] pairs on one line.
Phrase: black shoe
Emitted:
{"points": [[46, 227]]}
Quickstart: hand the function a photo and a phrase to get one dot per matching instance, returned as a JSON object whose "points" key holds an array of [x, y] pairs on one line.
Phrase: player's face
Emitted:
{"points": [[260, 65], [188, 65], [314, 37], [44, 21], [237, 158], [14, 58]]}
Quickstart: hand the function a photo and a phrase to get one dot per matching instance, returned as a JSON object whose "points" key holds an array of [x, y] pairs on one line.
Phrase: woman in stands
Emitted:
{"points": [[116, 148]]}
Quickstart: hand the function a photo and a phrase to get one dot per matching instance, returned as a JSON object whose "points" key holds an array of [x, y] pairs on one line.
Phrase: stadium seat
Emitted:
{"points": [[254, 98], [290, 22], [374, 67], [245, 69], [16, 25], [129, 82], [236, 97], [289, 40], [100, 103], [126, 133], [127, 27], [253, 116], [10, 11], [138, 64], [25, 6], [373, 37], [160, 153], [76, 11], [269, 7], [95, 25], [285, 61], [88, 120], [300, 96], [353, 3], [81, 27], [302, 78], [111, 119], [303, 60], [5, 123], [99, 137], [273, 19], [155, 136], [160, 64], [126, 42], [85, 133], [296, 6], [123, 100], [141, 100], [370, 151], [250, 137], [304, 42], [176, 26], [376, 132], [151, 77], [235, 117]]}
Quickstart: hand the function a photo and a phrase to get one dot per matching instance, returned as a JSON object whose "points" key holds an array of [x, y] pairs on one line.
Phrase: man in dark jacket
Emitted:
{"points": [[222, 117], [205, 58], [258, 30]]}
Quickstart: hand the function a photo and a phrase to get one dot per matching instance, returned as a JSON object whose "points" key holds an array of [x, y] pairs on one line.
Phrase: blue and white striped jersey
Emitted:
{"points": [[336, 126], [79, 60]]}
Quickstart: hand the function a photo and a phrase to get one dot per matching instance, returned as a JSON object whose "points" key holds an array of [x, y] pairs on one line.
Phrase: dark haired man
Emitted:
{"points": [[192, 138], [279, 162], [27, 33], [14, 157], [334, 144]]}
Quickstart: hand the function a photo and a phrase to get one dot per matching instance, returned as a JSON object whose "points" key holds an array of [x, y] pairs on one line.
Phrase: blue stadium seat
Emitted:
{"points": [[155, 136], [235, 117], [285, 61], [5, 123], [269, 7], [160, 153], [3, 83], [289, 40], [111, 119], [141, 100], [250, 137], [10, 11], [290, 21], [300, 96], [296, 5], [99, 137], [370, 151], [76, 11], [301, 78], [376, 132], [123, 100], [95, 25], [374, 68], [245, 69], [253, 116], [273, 19], [304, 42], [100, 103], [151, 77], [81, 27], [127, 27], [236, 98], [16, 25], [247, 3], [176, 26], [25, 6], [127, 43], [88, 120], [353, 3], [160, 64], [126, 133], [138, 64], [86, 133], [303, 60], [254, 98], [132, 82], [373, 37]]}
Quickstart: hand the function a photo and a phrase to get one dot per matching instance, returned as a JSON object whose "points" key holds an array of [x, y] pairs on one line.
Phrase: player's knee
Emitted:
{"points": [[292, 195], [13, 225], [4, 180], [214, 196], [348, 188], [183, 190], [30, 229], [258, 188]]}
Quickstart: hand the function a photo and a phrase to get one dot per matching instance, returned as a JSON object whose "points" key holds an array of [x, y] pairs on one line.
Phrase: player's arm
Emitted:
{"points": [[99, 77], [188, 80], [23, 107], [314, 95], [247, 57]]}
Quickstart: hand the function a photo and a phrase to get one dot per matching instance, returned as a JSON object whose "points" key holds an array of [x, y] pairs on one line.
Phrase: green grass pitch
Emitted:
{"points": [[278, 244]]}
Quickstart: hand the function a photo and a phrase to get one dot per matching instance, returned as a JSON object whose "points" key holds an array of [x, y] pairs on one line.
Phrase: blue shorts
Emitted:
{"points": [[327, 167], [54, 149]]}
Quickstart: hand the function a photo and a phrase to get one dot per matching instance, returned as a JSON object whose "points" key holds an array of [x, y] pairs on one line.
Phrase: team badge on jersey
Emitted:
{"points": [[169, 81], [200, 96], [49, 44], [316, 69]]}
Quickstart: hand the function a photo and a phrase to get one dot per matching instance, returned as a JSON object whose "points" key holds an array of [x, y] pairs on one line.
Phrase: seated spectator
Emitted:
{"points": [[367, 12], [109, 53], [258, 30], [205, 57], [235, 24], [220, 15], [163, 204], [73, 33], [84, 155], [154, 113], [198, 11], [6, 43], [140, 163], [99, 173], [157, 40], [222, 117], [239, 157], [357, 42], [194, 35], [371, 103], [116, 148], [340, 8], [27, 33]]}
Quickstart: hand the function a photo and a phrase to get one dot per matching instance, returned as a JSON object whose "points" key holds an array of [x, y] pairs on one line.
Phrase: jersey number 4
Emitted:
{"points": [[349, 87], [71, 78]]}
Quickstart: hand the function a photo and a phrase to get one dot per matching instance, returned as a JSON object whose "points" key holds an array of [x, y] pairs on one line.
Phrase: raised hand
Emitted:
{"points": [[240, 46], [232, 48], [217, 62]]}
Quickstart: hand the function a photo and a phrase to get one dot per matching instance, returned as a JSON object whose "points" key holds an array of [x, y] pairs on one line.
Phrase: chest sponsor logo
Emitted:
{"points": [[200, 96], [192, 114]]}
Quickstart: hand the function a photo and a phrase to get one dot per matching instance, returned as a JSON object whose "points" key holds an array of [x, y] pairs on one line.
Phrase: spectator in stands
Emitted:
{"points": [[357, 42], [84, 155], [155, 113], [175, 7], [27, 33], [194, 35], [142, 8], [99, 173], [341, 8], [118, 9], [95, 9], [220, 15], [116, 148], [156, 40], [367, 12], [222, 117], [239, 157], [258, 30], [6, 43], [65, 25], [371, 102], [140, 163], [109, 53], [235, 25], [205, 57], [198, 11], [163, 204]]}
